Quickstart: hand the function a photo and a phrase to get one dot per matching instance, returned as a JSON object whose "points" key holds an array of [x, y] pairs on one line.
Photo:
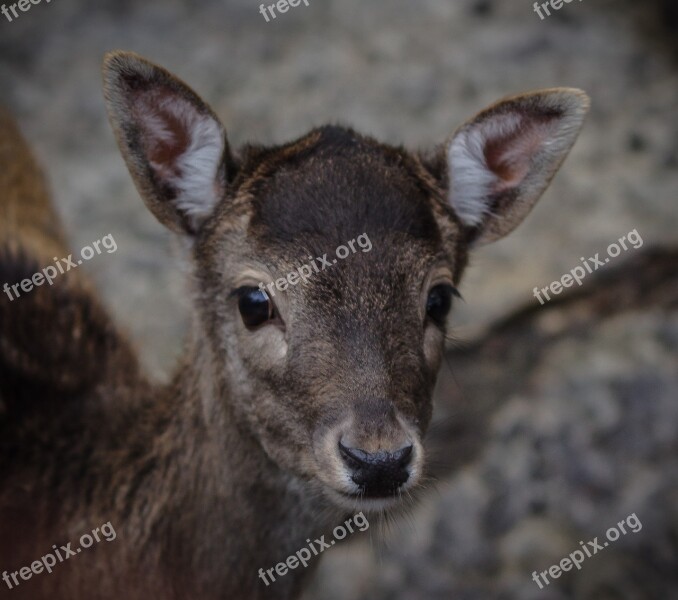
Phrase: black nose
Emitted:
{"points": [[377, 473]]}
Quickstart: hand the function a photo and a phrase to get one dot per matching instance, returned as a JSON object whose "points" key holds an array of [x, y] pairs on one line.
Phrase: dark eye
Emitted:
{"points": [[439, 302], [255, 306]]}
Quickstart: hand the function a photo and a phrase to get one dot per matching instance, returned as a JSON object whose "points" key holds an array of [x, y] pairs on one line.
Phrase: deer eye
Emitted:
{"points": [[439, 302], [255, 307]]}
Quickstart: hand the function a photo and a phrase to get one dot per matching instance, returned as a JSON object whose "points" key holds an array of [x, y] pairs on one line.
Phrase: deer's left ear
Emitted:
{"points": [[500, 162]]}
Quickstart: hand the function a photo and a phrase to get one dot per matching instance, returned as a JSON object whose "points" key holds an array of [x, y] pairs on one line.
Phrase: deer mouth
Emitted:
{"points": [[368, 500]]}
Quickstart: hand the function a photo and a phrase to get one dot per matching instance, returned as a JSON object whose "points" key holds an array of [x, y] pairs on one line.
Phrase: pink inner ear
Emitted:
{"points": [[165, 131], [511, 148], [167, 151]]}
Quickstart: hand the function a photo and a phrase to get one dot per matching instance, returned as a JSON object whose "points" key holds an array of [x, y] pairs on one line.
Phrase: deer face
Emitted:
{"points": [[326, 268], [340, 365]]}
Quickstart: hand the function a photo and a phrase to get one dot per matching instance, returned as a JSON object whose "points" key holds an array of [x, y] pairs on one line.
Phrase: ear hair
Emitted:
{"points": [[174, 146], [500, 162]]}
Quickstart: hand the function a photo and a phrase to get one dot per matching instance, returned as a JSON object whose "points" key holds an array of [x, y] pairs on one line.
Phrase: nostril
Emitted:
{"points": [[403, 456], [354, 457]]}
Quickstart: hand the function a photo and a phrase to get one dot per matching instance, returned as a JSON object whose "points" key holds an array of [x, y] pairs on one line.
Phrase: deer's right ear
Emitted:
{"points": [[174, 145]]}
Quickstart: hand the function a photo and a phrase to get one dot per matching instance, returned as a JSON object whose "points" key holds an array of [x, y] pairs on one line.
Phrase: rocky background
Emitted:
{"points": [[577, 440]]}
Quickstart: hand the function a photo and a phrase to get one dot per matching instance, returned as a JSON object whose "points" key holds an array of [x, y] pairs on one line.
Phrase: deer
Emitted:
{"points": [[285, 414]]}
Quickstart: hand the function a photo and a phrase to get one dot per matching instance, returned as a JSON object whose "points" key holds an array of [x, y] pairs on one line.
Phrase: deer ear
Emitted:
{"points": [[174, 146], [500, 162]]}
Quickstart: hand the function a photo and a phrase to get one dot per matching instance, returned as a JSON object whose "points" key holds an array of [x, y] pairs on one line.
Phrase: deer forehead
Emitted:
{"points": [[323, 191]]}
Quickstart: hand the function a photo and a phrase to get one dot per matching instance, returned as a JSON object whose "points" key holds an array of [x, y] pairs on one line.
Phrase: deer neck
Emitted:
{"points": [[237, 508]]}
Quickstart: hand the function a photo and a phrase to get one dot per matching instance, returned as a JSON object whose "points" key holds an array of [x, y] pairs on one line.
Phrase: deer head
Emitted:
{"points": [[333, 373]]}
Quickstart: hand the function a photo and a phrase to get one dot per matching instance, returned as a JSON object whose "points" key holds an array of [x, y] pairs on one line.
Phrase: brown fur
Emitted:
{"points": [[229, 467]]}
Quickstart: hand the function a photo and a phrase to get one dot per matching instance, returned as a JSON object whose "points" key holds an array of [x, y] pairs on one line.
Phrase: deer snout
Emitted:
{"points": [[377, 474], [370, 457]]}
